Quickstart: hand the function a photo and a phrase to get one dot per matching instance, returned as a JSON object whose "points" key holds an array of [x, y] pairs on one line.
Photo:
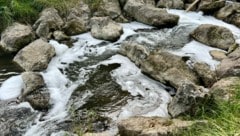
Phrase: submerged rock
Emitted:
{"points": [[78, 19], [151, 126], [215, 36], [225, 88], [161, 65], [34, 91], [210, 6], [149, 14], [14, 121], [218, 55], [16, 37], [172, 4], [106, 29], [49, 21], [35, 56], [187, 99]]}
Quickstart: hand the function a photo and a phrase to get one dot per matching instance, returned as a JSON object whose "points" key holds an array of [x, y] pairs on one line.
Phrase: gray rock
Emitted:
{"points": [[218, 55], [15, 121], [106, 29], [16, 37], [149, 14], [210, 6], [172, 4], [49, 21], [60, 36], [110, 8], [78, 19], [35, 56], [187, 99], [215, 36], [206, 75], [151, 126], [225, 88], [161, 65]]}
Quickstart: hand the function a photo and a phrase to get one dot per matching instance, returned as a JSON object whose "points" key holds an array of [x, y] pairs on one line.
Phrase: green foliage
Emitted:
{"points": [[223, 118]]}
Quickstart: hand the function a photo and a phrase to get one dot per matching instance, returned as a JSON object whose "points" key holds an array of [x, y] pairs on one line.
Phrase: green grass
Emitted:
{"points": [[223, 118]]}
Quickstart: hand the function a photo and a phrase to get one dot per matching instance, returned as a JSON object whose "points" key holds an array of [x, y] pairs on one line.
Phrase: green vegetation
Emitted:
{"points": [[223, 118]]}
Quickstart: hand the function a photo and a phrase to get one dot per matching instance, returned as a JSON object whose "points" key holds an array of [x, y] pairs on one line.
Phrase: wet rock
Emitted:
{"points": [[230, 13], [218, 55], [210, 6], [149, 14], [106, 29], [35, 56], [48, 22], [110, 8], [34, 91], [224, 89], [215, 36], [16, 37], [78, 19], [206, 75], [60, 36], [14, 121], [151, 126], [172, 4], [187, 99], [161, 65], [231, 65]]}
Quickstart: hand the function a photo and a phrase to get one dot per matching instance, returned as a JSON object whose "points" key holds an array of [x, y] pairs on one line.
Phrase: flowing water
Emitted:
{"points": [[92, 76]]}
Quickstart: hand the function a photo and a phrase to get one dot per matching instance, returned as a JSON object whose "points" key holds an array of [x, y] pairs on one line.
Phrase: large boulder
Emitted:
{"points": [[49, 21], [151, 126], [172, 4], [188, 99], [149, 14], [230, 13], [35, 56], [213, 35], [34, 91], [78, 19], [225, 88], [110, 8], [210, 6], [16, 37], [231, 65], [206, 75], [106, 29], [161, 65]]}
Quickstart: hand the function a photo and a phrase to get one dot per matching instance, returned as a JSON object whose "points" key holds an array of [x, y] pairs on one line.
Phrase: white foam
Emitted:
{"points": [[11, 88], [153, 98]]}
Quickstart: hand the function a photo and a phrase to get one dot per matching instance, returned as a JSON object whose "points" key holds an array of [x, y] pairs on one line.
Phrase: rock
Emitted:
{"points": [[34, 91], [187, 99], [98, 134], [151, 126], [35, 56], [110, 8], [149, 14], [230, 13], [206, 75], [78, 19], [213, 35], [210, 6], [218, 55], [15, 121], [224, 89], [49, 21], [231, 65], [106, 29], [161, 65], [172, 4], [60, 36], [15, 37]]}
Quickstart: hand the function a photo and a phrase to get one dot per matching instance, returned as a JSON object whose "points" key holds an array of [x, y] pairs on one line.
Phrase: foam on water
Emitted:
{"points": [[11, 88]]}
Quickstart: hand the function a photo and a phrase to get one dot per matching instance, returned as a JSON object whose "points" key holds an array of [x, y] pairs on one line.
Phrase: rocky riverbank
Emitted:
{"points": [[75, 80]]}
